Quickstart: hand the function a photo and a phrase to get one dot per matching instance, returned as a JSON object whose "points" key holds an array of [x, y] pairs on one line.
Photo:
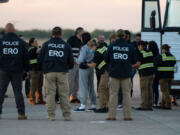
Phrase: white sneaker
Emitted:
{"points": [[82, 108]]}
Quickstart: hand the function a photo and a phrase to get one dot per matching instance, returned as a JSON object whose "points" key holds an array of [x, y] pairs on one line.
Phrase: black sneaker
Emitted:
{"points": [[103, 110], [144, 109], [174, 103], [165, 108], [79, 110], [41, 103]]}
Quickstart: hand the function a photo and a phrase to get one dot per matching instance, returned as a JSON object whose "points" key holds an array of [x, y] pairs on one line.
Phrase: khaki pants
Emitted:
{"points": [[57, 81], [103, 90], [36, 84], [165, 85], [115, 84], [146, 92]]}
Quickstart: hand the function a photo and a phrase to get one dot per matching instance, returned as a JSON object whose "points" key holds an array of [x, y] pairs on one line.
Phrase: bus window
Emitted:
{"points": [[172, 18], [151, 15]]}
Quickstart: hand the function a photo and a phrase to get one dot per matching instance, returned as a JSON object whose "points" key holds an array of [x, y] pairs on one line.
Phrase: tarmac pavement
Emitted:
{"points": [[157, 122]]}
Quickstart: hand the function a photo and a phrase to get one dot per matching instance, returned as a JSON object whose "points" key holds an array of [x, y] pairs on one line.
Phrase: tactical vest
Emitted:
{"points": [[167, 64], [147, 60], [102, 63], [147, 65], [34, 59]]}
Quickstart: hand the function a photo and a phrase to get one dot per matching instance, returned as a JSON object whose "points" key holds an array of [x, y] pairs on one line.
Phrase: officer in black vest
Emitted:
{"points": [[56, 59], [146, 70], [165, 71], [35, 73], [13, 61], [101, 67], [120, 57]]}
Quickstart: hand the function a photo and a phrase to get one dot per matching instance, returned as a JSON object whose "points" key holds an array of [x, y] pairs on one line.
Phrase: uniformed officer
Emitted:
{"points": [[120, 57], [56, 59], [101, 43], [165, 66], [35, 73], [146, 71], [101, 67], [13, 61]]}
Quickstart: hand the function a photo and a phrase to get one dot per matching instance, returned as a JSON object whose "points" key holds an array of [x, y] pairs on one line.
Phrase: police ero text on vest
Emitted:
{"points": [[120, 53], [10, 48], [55, 50]]}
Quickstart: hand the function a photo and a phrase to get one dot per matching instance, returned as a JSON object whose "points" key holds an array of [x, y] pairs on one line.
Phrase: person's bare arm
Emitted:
{"points": [[38, 50]]}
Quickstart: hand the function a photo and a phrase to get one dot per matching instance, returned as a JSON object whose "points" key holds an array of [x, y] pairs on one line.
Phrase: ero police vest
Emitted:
{"points": [[166, 67], [147, 65], [102, 64]]}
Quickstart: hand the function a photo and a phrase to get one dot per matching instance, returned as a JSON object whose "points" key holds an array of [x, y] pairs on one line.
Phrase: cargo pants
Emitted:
{"points": [[103, 90], [36, 85], [115, 84], [165, 85], [57, 81], [146, 92]]}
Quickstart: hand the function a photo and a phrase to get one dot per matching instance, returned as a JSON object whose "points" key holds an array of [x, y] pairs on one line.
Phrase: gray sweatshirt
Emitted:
{"points": [[86, 55]]}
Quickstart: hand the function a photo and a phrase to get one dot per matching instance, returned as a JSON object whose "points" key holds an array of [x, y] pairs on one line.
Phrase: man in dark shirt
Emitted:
{"points": [[56, 59], [120, 57], [13, 61], [76, 43]]}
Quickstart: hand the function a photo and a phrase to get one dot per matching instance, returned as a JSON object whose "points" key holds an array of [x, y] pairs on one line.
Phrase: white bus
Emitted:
{"points": [[167, 32]]}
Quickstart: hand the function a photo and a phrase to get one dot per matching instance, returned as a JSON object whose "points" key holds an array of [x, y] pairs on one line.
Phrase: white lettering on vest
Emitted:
{"points": [[10, 51], [14, 43], [56, 45], [120, 56], [55, 53]]}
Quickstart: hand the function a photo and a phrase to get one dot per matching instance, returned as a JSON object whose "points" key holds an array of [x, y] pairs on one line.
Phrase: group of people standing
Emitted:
{"points": [[68, 70]]}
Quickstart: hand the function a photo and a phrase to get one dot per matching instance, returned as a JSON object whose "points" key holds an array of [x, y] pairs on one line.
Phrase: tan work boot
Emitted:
{"points": [[22, 117], [67, 118], [51, 118], [128, 119]]}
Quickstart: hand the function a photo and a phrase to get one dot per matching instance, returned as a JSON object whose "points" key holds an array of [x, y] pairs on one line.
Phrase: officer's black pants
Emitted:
{"points": [[98, 75], [16, 81]]}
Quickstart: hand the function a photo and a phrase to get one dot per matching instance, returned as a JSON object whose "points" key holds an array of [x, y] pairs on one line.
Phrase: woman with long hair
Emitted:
{"points": [[153, 47]]}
